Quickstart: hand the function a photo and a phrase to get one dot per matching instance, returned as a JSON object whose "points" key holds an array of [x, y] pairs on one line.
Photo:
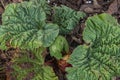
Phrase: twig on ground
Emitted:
{"points": [[1, 1]]}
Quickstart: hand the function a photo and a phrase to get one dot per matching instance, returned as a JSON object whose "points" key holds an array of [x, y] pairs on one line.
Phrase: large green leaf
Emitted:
{"points": [[102, 25], [66, 18], [60, 45], [24, 25], [99, 60]]}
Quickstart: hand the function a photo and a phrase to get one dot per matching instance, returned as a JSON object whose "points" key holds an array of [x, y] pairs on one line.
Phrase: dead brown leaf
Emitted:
{"points": [[113, 8]]}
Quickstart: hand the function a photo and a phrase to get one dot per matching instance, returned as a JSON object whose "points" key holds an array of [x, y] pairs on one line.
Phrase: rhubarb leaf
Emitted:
{"points": [[60, 45], [100, 59], [66, 18], [24, 25], [43, 4], [25, 65]]}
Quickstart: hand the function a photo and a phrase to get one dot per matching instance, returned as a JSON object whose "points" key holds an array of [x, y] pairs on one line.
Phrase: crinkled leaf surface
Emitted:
{"points": [[32, 65], [24, 25], [60, 45], [100, 26], [43, 4], [101, 59], [66, 18]]}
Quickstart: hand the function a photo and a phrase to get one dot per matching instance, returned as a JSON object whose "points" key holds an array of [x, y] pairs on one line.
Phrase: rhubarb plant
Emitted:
{"points": [[25, 26], [100, 60]]}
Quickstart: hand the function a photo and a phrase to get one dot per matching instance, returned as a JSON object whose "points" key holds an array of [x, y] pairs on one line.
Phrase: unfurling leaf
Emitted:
{"points": [[60, 45]]}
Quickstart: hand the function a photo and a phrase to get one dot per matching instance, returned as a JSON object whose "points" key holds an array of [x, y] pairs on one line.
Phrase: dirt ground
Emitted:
{"points": [[90, 7]]}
